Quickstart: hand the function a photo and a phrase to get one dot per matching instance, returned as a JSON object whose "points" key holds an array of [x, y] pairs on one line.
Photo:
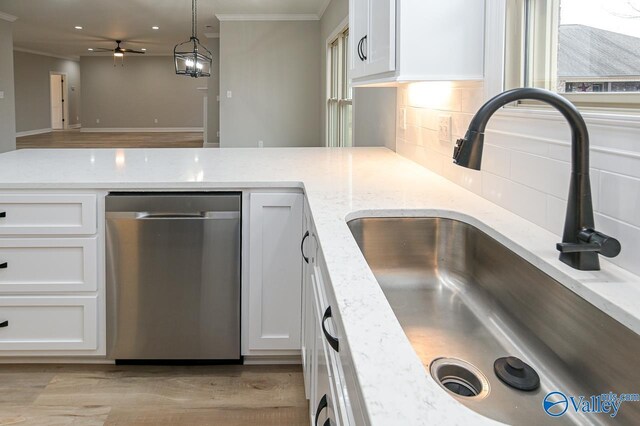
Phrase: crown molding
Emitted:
{"points": [[212, 35], [7, 17], [51, 55], [269, 17], [323, 8]]}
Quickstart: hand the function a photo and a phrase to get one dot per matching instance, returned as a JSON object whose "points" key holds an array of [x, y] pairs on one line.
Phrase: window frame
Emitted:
{"points": [[339, 93], [540, 31]]}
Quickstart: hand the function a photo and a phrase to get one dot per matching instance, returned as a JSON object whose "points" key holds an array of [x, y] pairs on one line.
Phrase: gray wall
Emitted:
{"points": [[213, 106], [7, 105], [273, 72], [33, 95], [133, 95], [374, 109]]}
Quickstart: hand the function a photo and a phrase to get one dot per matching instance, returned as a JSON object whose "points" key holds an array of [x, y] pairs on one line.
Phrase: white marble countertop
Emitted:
{"points": [[341, 184]]}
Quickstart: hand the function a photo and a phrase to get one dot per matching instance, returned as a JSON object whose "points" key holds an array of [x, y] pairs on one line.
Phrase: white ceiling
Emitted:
{"points": [[48, 25]]}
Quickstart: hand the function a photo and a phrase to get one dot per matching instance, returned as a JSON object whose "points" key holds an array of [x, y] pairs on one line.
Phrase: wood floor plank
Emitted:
{"points": [[279, 416], [77, 139], [158, 395]]}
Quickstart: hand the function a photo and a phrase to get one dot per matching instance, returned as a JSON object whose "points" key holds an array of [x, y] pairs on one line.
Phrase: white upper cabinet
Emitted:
{"points": [[416, 40]]}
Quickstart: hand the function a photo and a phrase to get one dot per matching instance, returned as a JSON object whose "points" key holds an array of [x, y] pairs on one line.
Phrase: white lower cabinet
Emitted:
{"points": [[333, 398], [50, 269], [275, 272], [48, 323], [29, 265]]}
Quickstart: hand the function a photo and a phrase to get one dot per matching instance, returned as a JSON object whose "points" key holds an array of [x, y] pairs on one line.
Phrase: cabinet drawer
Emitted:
{"points": [[48, 264], [48, 323], [29, 214]]}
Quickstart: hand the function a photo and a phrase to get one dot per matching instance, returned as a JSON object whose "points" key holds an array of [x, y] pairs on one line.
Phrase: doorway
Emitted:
{"points": [[59, 111]]}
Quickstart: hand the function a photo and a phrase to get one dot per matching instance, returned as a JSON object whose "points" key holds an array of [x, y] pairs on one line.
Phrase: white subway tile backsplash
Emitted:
{"points": [[471, 99], [516, 142], [520, 199], [460, 124], [526, 162], [556, 212], [616, 162], [629, 237], [496, 160], [541, 173], [620, 197]]}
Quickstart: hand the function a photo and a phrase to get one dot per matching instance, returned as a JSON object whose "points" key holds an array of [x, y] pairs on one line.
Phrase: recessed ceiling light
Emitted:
{"points": [[91, 49], [78, 27], [155, 28]]}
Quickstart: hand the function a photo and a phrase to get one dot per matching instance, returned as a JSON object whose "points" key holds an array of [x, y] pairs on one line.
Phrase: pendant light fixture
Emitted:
{"points": [[192, 58]]}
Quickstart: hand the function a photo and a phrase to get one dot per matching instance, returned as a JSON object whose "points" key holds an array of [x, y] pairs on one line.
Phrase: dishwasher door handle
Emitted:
{"points": [[173, 215]]}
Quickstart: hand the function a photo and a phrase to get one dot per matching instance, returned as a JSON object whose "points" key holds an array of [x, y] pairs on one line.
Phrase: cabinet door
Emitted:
{"points": [[323, 399], [380, 45], [358, 28], [49, 323], [275, 271]]}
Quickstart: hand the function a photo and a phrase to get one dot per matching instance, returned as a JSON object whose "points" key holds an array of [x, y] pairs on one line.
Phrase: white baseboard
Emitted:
{"points": [[273, 360], [75, 126], [33, 132], [140, 129]]}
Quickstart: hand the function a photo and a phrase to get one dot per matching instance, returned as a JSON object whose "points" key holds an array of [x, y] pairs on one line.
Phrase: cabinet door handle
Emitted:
{"points": [[364, 56], [321, 406], [4, 323], [333, 342], [4, 265], [359, 51], [306, 235], [3, 214]]}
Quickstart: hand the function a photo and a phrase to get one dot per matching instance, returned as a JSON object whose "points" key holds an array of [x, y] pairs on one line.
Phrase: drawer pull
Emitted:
{"points": [[4, 265], [306, 235], [321, 406], [332, 340], [4, 323], [3, 214]]}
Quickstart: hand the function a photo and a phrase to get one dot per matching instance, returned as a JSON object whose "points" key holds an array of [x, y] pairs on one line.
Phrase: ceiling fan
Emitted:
{"points": [[118, 52]]}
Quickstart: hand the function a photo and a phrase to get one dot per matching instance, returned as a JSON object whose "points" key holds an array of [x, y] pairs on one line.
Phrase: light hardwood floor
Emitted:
{"points": [[77, 139], [152, 395]]}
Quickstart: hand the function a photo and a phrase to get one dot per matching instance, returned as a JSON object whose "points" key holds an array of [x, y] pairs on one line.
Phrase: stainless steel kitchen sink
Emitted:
{"points": [[465, 300]]}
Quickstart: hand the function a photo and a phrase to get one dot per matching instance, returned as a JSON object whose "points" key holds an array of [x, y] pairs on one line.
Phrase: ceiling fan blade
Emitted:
{"points": [[132, 51], [102, 49]]}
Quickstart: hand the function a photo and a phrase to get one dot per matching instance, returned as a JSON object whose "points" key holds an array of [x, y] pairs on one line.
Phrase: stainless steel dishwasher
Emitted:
{"points": [[173, 276]]}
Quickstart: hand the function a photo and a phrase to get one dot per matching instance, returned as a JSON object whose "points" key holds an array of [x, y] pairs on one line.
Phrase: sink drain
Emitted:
{"points": [[459, 377]]}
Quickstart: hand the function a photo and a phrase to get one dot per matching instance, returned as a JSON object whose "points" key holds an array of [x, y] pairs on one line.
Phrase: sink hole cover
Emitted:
{"points": [[516, 373]]}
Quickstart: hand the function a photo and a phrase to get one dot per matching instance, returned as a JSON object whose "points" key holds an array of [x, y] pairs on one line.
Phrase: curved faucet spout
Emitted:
{"points": [[575, 250]]}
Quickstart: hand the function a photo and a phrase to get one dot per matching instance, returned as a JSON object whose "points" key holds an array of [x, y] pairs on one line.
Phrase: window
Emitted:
{"points": [[587, 50], [339, 92]]}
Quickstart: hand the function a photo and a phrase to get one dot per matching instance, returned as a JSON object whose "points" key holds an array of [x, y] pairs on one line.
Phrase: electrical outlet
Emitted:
{"points": [[444, 128], [97, 121], [229, 94], [403, 118], [218, 98], [155, 120], [260, 144], [1, 94], [218, 133]]}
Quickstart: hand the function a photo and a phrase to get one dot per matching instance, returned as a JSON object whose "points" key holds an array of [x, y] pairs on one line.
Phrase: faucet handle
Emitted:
{"points": [[609, 246], [592, 240]]}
